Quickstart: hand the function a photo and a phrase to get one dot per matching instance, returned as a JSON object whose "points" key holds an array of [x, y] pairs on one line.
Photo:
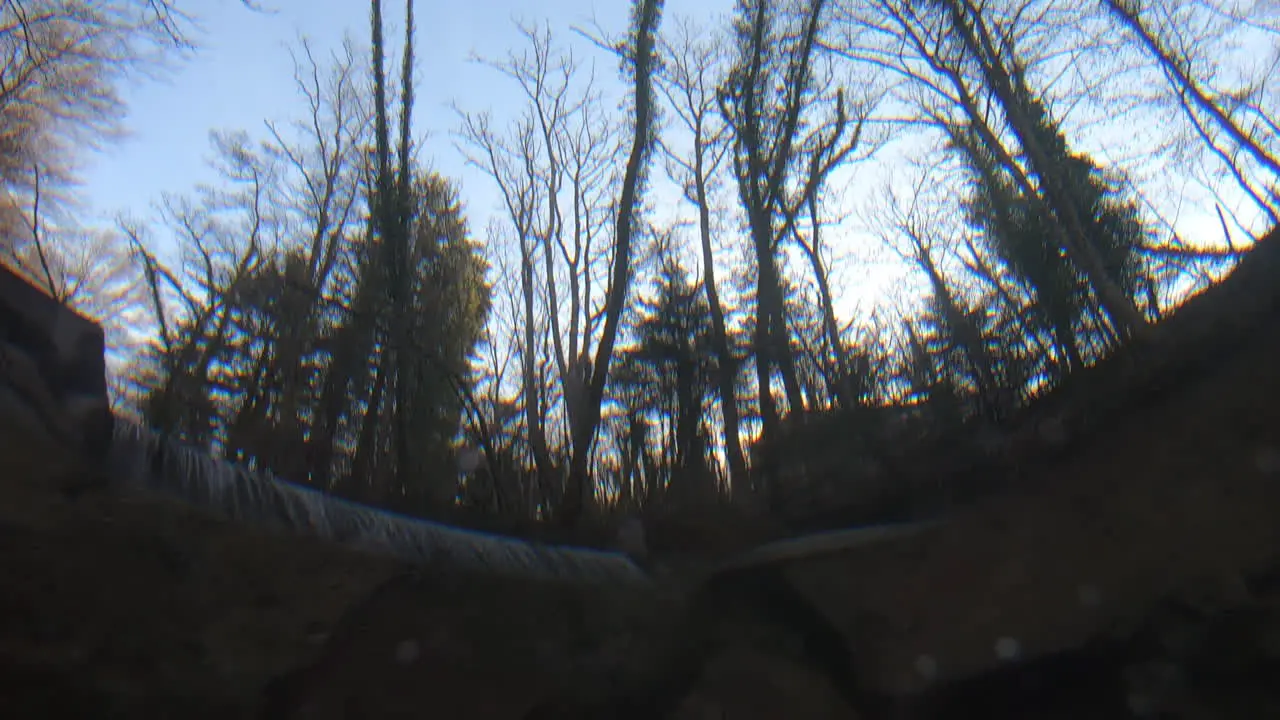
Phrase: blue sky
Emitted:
{"points": [[243, 75]]}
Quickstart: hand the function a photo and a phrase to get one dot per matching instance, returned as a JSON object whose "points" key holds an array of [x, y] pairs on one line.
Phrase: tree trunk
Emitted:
{"points": [[579, 491], [1121, 309], [719, 337]]}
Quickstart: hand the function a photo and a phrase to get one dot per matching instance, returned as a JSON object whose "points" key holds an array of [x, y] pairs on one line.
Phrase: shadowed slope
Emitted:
{"points": [[1163, 493]]}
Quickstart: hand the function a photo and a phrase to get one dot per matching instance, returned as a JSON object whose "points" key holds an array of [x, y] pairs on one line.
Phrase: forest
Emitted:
{"points": [[657, 317]]}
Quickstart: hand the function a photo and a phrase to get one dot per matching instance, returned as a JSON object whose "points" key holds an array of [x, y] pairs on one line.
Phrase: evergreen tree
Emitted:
{"points": [[1065, 305], [672, 367]]}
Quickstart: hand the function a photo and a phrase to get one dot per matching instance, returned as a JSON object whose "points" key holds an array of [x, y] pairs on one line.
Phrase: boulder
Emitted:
{"points": [[54, 388]]}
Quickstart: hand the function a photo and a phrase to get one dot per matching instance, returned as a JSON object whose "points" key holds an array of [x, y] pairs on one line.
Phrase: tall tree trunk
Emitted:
{"points": [[1179, 76], [842, 386], [719, 336], [766, 291], [766, 139], [362, 466], [392, 213], [967, 22], [532, 385], [579, 492], [406, 354]]}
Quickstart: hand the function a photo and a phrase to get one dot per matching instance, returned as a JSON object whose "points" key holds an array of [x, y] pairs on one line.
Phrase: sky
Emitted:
{"points": [[242, 75]]}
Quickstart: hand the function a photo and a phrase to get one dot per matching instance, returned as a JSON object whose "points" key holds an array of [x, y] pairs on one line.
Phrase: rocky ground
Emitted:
{"points": [[1131, 569]]}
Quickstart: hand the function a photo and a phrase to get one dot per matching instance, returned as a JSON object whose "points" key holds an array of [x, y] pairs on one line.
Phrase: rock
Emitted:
{"points": [[631, 538], [746, 683], [53, 387], [151, 608], [1135, 570], [450, 641]]}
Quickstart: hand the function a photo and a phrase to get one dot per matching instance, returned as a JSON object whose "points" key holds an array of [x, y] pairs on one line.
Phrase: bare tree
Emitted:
{"points": [[688, 81], [763, 100], [1230, 124], [957, 56], [221, 237], [59, 88], [59, 94], [956, 317], [318, 204], [510, 162], [556, 173], [93, 272], [834, 142], [647, 15], [320, 155]]}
